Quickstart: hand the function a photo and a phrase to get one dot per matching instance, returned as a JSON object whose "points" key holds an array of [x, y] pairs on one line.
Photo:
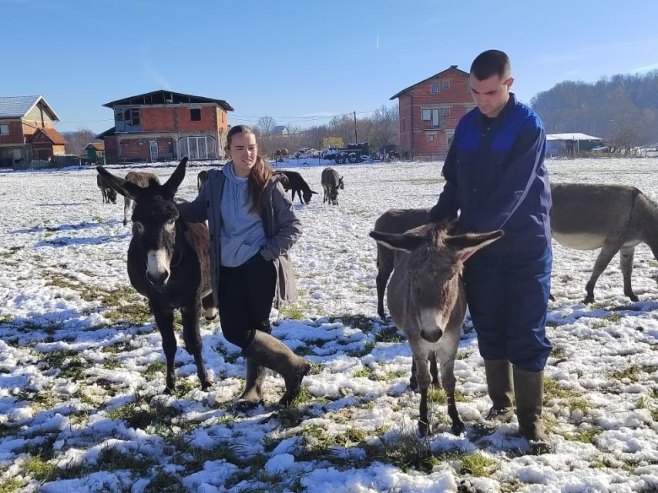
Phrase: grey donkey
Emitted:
{"points": [[614, 218], [427, 301]]}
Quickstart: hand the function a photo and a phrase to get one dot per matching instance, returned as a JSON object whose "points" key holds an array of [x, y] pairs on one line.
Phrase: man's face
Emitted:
{"points": [[490, 94]]}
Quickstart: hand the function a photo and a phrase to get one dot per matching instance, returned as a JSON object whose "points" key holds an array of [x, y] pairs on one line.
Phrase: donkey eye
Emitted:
{"points": [[138, 227]]}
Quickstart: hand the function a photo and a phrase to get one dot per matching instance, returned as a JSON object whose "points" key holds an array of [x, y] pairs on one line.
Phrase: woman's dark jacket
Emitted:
{"points": [[281, 225]]}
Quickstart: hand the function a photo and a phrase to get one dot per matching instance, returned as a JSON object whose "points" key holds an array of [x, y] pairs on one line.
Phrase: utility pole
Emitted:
{"points": [[356, 138]]}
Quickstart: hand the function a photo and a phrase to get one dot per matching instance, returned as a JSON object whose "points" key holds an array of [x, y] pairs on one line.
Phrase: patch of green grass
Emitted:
{"points": [[356, 321], [39, 469], [577, 403], [393, 375], [552, 390], [405, 451], [11, 485], [165, 482], [194, 457], [155, 369], [613, 317], [111, 459], [140, 415], [587, 435], [477, 464], [390, 334], [112, 363], [184, 386], [632, 373], [363, 372], [290, 416], [360, 353], [292, 311]]}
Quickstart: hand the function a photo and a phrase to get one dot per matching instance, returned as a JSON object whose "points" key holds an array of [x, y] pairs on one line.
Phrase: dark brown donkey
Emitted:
{"points": [[167, 263]]}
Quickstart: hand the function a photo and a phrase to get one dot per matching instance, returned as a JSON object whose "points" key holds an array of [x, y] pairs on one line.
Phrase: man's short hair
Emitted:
{"points": [[491, 62]]}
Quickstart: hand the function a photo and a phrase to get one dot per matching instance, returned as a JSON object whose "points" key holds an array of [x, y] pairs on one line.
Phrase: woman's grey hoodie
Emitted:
{"points": [[281, 226]]}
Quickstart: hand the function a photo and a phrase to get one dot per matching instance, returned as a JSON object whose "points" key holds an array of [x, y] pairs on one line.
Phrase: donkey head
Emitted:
{"points": [[428, 272], [154, 222], [308, 194], [341, 185]]}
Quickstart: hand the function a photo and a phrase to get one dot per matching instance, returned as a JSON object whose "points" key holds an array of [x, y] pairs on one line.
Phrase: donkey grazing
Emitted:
{"points": [[393, 221], [331, 182], [427, 301], [109, 194], [142, 179], [168, 262], [610, 217], [294, 181]]}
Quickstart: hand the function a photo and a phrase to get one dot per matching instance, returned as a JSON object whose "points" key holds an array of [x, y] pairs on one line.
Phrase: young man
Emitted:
{"points": [[496, 178]]}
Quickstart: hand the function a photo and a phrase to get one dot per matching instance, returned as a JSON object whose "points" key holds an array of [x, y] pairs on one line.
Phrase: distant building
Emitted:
{"points": [[165, 125], [280, 130], [429, 112], [26, 131], [570, 144], [95, 152]]}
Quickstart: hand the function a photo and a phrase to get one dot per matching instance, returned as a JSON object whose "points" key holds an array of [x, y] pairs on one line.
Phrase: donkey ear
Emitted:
{"points": [[120, 185], [467, 244], [404, 242], [176, 178], [313, 192]]}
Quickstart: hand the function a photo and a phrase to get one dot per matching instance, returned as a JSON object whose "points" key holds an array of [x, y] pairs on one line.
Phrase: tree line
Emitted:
{"points": [[622, 109]]}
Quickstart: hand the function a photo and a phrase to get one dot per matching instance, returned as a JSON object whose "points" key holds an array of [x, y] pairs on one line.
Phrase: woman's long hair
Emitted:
{"points": [[260, 174]]}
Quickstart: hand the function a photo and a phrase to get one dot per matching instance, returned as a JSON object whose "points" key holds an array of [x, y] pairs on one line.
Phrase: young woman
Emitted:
{"points": [[252, 227]]}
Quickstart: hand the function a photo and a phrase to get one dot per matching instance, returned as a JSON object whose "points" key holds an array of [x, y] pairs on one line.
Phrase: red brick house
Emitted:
{"points": [[21, 117], [165, 125], [46, 143], [429, 112]]}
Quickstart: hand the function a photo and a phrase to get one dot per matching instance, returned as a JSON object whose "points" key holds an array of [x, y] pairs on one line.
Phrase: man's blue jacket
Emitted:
{"points": [[496, 176]]}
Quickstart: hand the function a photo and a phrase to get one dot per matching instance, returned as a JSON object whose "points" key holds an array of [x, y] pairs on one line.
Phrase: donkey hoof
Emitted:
{"points": [[168, 390], [423, 428], [205, 385], [457, 428]]}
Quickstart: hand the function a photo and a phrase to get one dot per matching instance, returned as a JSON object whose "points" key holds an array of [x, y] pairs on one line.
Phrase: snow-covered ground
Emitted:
{"points": [[82, 369]]}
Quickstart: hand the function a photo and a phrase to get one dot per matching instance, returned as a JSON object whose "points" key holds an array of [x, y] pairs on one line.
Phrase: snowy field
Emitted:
{"points": [[82, 369]]}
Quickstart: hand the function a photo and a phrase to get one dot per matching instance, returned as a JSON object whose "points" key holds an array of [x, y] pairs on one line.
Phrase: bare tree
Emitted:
{"points": [[78, 140]]}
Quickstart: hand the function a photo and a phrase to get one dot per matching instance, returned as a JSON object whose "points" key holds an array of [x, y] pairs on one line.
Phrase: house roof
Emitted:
{"points": [[19, 106], [451, 68], [279, 128], [53, 135], [166, 97], [571, 136], [108, 133], [99, 146]]}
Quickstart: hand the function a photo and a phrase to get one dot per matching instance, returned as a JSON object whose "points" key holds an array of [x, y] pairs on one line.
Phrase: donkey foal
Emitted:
{"points": [[427, 301]]}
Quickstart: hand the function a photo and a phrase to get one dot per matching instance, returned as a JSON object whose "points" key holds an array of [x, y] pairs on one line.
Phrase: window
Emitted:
{"points": [[4, 129], [134, 115], [431, 115], [436, 87], [195, 114], [431, 137], [445, 84]]}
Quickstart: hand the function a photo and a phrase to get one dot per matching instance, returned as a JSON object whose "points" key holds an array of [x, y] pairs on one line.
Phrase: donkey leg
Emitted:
{"points": [[164, 319], [423, 376], [434, 370], [127, 209], [626, 264], [413, 381], [448, 381], [193, 343], [384, 269], [605, 256]]}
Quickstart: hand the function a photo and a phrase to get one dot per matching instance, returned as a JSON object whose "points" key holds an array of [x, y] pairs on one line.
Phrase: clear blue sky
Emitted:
{"points": [[302, 61]]}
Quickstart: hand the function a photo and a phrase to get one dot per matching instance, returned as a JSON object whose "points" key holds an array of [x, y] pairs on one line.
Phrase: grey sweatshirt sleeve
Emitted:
{"points": [[289, 226], [197, 210]]}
